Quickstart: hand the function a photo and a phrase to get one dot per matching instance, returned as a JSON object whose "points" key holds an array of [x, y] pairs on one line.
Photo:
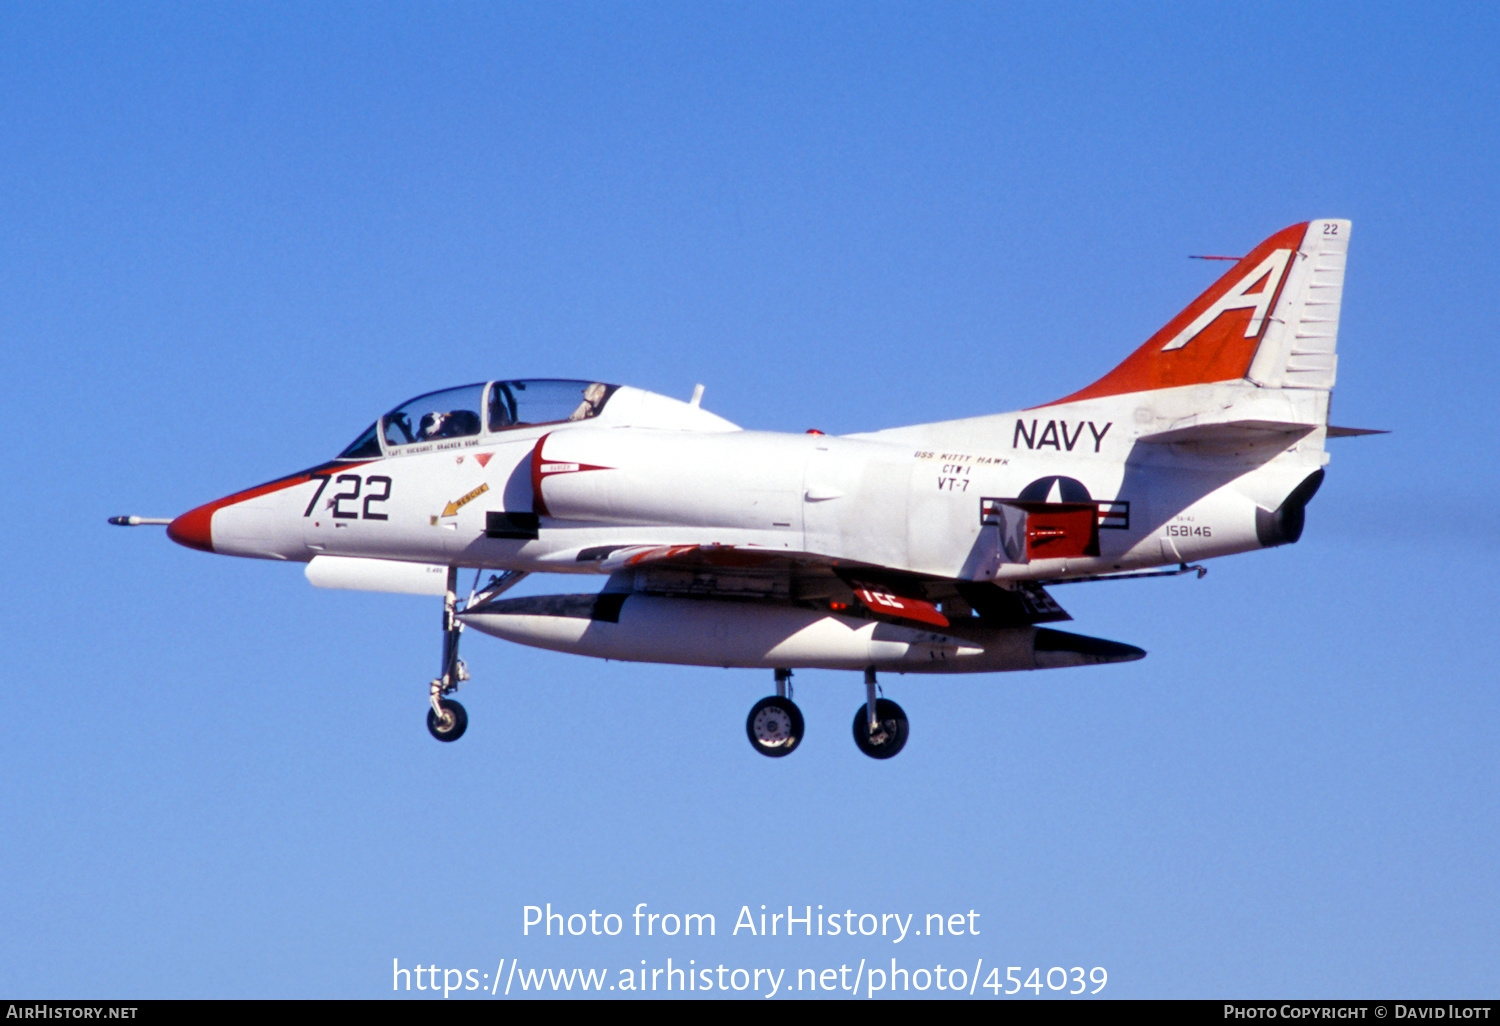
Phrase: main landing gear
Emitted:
{"points": [[775, 723], [880, 727], [447, 720]]}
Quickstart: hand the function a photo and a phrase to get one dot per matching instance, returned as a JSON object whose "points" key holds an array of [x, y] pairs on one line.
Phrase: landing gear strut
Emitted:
{"points": [[880, 726], [775, 723], [447, 720]]}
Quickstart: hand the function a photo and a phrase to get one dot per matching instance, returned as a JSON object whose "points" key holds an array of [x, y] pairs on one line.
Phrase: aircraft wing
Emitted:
{"points": [[810, 579]]}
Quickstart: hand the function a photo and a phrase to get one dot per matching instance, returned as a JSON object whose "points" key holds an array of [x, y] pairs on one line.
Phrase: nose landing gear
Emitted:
{"points": [[447, 720]]}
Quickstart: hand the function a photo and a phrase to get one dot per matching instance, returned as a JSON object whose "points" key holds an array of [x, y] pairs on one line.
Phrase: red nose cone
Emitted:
{"points": [[192, 528]]}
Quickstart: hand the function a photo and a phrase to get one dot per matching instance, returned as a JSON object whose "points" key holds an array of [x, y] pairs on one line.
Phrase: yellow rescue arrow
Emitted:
{"points": [[453, 507]]}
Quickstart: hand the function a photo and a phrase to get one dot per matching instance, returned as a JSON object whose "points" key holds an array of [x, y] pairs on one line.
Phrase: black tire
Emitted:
{"points": [[890, 738], [453, 724], [774, 727]]}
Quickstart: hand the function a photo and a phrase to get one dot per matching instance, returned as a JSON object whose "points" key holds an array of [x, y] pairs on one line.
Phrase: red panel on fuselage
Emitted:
{"points": [[1061, 530]]}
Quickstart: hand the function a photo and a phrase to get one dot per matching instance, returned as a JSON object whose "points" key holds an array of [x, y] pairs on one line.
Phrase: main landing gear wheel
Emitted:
{"points": [[891, 729], [774, 726], [452, 724]]}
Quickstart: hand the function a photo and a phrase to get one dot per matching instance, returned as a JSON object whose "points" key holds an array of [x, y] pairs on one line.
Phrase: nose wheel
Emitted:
{"points": [[448, 721], [775, 723]]}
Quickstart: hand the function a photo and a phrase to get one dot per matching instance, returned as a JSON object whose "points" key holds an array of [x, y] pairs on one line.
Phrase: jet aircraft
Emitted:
{"points": [[924, 549]]}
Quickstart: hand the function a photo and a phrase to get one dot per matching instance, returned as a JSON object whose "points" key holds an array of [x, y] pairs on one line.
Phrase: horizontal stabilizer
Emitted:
{"points": [[1343, 432], [1237, 432]]}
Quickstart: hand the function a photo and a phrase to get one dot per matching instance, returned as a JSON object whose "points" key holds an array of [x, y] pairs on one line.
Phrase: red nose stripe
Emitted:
{"points": [[195, 527], [192, 528]]}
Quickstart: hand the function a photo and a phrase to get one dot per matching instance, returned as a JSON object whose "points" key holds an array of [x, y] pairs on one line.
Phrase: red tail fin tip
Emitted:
{"points": [[1216, 337]]}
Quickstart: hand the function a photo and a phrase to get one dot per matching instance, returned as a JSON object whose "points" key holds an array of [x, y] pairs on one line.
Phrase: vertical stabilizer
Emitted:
{"points": [[1298, 350], [1271, 320]]}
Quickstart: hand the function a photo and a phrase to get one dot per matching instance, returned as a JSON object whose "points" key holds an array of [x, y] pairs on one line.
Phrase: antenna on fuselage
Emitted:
{"points": [[697, 395]]}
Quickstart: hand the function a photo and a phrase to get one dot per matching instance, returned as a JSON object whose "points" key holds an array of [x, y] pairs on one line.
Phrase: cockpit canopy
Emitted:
{"points": [[470, 411]]}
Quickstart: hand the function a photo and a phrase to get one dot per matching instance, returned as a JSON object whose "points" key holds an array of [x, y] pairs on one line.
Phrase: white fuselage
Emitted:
{"points": [[560, 497]]}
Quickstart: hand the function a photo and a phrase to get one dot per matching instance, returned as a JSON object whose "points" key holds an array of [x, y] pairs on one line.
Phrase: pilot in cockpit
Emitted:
{"points": [[450, 424], [593, 398]]}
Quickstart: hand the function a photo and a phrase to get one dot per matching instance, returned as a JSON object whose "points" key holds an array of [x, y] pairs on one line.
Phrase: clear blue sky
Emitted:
{"points": [[231, 235]]}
